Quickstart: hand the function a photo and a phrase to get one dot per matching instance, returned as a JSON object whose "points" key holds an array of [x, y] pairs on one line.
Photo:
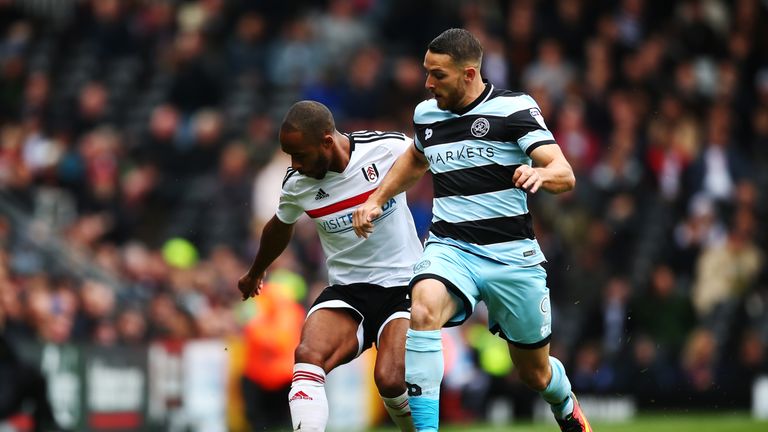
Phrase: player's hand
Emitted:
{"points": [[363, 217], [250, 284], [527, 178]]}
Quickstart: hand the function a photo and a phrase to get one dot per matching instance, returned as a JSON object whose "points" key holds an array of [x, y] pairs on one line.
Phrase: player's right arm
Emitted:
{"points": [[406, 171], [274, 240]]}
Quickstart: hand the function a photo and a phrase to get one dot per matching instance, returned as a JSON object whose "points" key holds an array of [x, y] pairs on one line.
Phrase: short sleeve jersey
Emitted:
{"points": [[473, 155], [386, 258]]}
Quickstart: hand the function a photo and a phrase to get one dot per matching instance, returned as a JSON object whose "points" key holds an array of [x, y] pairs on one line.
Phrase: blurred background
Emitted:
{"points": [[139, 161]]}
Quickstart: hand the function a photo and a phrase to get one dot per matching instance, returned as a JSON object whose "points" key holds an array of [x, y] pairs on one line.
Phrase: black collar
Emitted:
{"points": [[476, 102], [351, 143]]}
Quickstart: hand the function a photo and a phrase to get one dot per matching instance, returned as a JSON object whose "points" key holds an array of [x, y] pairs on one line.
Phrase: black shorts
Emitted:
{"points": [[373, 306]]}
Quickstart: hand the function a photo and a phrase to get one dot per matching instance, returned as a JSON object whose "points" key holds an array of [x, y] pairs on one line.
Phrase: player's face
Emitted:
{"points": [[309, 158], [445, 80]]}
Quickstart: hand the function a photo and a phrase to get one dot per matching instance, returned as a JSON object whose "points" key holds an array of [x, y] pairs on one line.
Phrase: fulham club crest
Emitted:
{"points": [[371, 173]]}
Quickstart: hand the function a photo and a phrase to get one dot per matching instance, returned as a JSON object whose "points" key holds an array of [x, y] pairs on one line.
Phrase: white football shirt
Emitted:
{"points": [[387, 257]]}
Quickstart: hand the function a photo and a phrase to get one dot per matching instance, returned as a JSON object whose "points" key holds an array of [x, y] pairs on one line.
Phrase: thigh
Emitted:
{"points": [[333, 335], [371, 306], [390, 359], [518, 303], [452, 268]]}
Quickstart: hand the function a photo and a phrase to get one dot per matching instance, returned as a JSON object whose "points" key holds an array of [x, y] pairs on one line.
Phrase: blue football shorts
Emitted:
{"points": [[517, 298]]}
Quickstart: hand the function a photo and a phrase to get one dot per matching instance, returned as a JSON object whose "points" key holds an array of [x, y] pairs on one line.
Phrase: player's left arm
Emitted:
{"points": [[550, 171]]}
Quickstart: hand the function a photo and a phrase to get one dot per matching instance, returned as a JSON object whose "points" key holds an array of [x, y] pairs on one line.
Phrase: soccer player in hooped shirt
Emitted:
{"points": [[486, 148], [367, 301]]}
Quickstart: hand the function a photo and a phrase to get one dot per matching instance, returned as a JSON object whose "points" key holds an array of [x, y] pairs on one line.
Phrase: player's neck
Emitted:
{"points": [[341, 153], [475, 89]]}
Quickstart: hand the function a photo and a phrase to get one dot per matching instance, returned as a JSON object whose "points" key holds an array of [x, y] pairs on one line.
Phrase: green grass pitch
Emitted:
{"points": [[660, 422]]}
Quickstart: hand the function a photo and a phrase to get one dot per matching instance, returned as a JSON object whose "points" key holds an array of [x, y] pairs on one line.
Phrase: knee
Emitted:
{"points": [[424, 317], [305, 354], [536, 378], [431, 305], [390, 380]]}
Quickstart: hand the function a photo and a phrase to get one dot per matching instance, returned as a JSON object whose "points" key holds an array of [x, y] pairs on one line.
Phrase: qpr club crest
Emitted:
{"points": [[371, 173], [480, 127], [421, 266]]}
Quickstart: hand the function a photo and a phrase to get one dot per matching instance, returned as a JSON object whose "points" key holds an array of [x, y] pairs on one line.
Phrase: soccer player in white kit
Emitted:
{"points": [[367, 301]]}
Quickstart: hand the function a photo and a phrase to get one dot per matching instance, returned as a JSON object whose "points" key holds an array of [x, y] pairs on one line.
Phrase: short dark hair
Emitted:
{"points": [[311, 118], [461, 45]]}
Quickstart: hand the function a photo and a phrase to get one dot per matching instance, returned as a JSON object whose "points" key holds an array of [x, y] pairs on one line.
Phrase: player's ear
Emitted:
{"points": [[328, 139], [470, 72]]}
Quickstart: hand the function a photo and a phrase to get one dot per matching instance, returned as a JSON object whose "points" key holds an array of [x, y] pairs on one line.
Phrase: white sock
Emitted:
{"points": [[400, 411], [307, 401]]}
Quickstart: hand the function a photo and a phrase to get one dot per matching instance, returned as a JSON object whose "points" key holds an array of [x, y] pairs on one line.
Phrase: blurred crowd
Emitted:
{"points": [[139, 161]]}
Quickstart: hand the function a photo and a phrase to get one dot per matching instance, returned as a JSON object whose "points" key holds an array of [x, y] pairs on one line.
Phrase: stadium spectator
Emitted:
{"points": [[246, 50], [720, 166], [92, 109], [225, 223], [22, 384], [550, 70], [608, 326], [194, 83], [270, 340], [580, 145], [662, 313], [699, 363]]}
